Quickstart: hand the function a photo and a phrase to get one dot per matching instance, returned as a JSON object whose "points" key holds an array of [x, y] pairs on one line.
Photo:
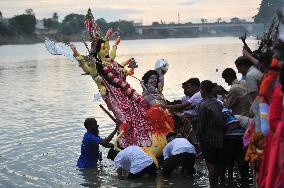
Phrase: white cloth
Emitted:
{"points": [[56, 49], [178, 146], [132, 159], [194, 100], [184, 99]]}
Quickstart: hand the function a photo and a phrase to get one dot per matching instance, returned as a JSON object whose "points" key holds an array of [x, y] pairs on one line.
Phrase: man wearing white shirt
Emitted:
{"points": [[192, 90], [135, 161], [178, 152]]}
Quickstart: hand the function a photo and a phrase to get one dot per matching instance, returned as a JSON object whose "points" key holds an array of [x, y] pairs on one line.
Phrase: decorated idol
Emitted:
{"points": [[141, 124]]}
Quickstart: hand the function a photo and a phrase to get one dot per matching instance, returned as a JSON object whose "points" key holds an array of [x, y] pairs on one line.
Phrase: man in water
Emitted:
{"points": [[134, 161], [90, 144], [211, 131], [178, 151]]}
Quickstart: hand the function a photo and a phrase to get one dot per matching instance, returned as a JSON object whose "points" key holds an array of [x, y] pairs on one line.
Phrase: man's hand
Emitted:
{"points": [[246, 53], [220, 90]]}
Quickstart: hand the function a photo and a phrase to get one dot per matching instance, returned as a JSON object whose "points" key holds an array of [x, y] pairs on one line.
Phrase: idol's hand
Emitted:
{"points": [[109, 33], [117, 41]]}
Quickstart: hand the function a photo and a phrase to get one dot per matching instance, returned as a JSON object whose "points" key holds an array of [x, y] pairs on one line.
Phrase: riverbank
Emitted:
{"points": [[13, 40]]}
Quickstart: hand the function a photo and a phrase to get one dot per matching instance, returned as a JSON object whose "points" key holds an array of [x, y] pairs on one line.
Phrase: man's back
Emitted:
{"points": [[211, 122], [237, 98], [177, 146], [89, 151], [132, 159]]}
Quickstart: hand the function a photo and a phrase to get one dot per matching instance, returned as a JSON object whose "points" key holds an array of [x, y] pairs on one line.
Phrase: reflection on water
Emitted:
{"points": [[44, 101]]}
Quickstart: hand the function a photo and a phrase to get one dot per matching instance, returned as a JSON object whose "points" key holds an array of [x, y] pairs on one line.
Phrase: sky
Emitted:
{"points": [[146, 11]]}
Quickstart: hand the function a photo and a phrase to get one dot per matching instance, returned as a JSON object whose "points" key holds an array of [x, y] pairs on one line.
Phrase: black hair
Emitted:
{"points": [[229, 73], [207, 86], [194, 82], [89, 121], [147, 75], [184, 84], [170, 134], [112, 153], [243, 61]]}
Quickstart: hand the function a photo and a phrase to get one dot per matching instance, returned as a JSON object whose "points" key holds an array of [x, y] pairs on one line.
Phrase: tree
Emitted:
{"points": [[123, 27], [267, 10], [72, 24], [1, 16], [23, 24], [103, 24], [155, 24], [55, 17], [29, 11], [51, 23], [203, 20], [219, 20], [4, 30]]}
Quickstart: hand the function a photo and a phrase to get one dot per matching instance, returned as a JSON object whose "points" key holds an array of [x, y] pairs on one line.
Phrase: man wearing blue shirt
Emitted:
{"points": [[90, 144]]}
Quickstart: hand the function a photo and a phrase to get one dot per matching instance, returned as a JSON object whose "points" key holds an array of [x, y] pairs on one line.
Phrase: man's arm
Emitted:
{"points": [[178, 107], [250, 57], [105, 142], [231, 98]]}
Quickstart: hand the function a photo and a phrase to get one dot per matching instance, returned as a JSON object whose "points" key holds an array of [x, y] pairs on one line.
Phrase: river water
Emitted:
{"points": [[44, 100]]}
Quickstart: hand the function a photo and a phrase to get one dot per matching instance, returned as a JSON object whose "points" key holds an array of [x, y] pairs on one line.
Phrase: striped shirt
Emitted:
{"points": [[211, 123]]}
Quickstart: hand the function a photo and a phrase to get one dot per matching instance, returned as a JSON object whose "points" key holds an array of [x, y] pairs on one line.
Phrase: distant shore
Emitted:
{"points": [[13, 40]]}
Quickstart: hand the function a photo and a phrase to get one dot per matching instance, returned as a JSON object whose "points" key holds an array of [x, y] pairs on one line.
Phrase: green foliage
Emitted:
{"points": [[123, 27], [55, 17], [49, 23], [4, 30], [29, 11], [103, 24], [72, 24], [23, 24], [155, 23], [267, 10]]}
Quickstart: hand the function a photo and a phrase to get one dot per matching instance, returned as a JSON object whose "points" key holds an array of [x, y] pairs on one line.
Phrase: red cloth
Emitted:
{"points": [[128, 110], [267, 83], [271, 171]]}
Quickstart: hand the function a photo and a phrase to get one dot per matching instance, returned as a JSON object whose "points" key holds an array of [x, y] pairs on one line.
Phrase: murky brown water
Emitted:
{"points": [[44, 101]]}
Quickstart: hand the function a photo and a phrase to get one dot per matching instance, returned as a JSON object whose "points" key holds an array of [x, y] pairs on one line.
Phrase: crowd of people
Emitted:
{"points": [[243, 126]]}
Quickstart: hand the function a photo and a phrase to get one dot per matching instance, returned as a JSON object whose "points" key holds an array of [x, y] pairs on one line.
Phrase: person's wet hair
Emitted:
{"points": [[90, 121], [112, 153], [243, 61], [229, 73]]}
